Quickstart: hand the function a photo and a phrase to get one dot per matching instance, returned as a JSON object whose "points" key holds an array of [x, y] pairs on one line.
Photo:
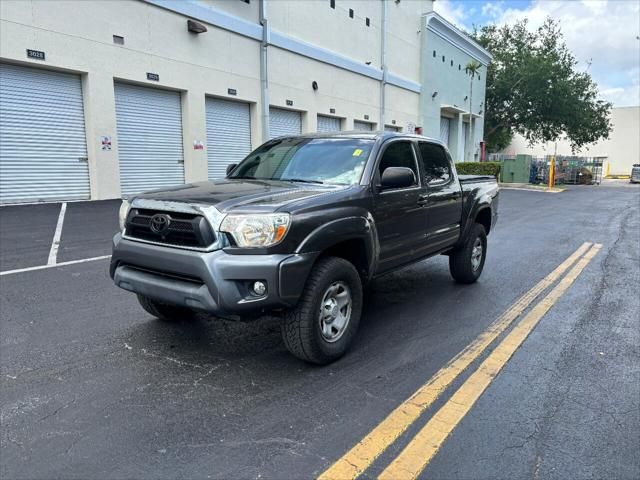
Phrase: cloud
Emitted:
{"points": [[455, 13], [628, 96], [602, 34]]}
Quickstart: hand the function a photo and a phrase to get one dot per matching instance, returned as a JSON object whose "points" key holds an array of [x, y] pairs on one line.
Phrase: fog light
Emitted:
{"points": [[259, 288]]}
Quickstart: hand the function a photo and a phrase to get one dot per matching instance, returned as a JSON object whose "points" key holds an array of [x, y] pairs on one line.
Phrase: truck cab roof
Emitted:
{"points": [[380, 135]]}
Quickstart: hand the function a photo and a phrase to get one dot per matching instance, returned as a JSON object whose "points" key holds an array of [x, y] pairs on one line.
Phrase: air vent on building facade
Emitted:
{"points": [[118, 40]]}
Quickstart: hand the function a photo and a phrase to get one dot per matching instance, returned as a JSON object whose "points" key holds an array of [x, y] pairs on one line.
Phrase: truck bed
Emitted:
{"points": [[476, 178]]}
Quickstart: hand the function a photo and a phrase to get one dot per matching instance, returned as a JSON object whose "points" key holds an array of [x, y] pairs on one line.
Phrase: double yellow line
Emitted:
{"points": [[421, 449]]}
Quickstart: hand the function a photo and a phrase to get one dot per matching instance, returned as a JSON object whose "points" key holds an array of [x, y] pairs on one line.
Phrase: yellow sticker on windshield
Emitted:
{"points": [[357, 152]]}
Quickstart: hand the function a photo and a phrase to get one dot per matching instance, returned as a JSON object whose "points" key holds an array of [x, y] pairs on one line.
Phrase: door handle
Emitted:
{"points": [[423, 199]]}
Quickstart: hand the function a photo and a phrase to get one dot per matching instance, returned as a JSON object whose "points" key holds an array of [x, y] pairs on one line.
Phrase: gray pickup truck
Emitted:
{"points": [[298, 228]]}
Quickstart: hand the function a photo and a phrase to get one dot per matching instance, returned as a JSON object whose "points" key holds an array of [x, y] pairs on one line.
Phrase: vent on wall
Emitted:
{"points": [[118, 40], [332, 3], [351, 13]]}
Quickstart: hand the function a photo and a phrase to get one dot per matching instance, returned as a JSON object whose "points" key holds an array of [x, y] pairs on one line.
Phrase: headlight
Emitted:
{"points": [[261, 230], [124, 210]]}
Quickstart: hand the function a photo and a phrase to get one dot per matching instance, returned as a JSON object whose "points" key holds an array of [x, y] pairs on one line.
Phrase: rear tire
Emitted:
{"points": [[165, 312], [322, 326], [466, 262]]}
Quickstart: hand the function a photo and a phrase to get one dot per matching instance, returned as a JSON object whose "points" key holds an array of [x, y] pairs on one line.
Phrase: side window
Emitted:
{"points": [[435, 161], [398, 154]]}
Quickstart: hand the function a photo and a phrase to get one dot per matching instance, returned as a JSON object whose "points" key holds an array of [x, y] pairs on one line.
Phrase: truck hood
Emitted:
{"points": [[241, 194]]}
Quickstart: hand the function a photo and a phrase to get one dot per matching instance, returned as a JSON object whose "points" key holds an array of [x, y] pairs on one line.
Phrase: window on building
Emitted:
{"points": [[247, 1], [351, 13], [367, 21], [443, 58], [332, 3], [434, 54], [435, 162], [399, 154], [452, 63], [459, 67]]}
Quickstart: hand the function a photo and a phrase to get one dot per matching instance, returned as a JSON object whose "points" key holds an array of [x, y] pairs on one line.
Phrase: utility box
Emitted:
{"points": [[516, 170]]}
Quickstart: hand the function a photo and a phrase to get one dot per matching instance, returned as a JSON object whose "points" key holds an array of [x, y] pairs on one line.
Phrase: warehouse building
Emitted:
{"points": [[618, 153], [100, 99]]}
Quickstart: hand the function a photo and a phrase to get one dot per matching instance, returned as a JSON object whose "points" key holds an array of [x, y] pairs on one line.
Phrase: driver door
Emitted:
{"points": [[399, 213]]}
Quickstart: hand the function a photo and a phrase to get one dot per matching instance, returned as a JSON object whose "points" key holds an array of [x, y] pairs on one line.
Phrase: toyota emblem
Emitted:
{"points": [[160, 223]]}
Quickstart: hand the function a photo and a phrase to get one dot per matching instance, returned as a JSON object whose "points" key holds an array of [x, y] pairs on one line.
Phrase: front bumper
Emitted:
{"points": [[214, 282]]}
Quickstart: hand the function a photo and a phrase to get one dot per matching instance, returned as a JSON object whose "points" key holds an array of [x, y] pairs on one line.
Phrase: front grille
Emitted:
{"points": [[183, 230]]}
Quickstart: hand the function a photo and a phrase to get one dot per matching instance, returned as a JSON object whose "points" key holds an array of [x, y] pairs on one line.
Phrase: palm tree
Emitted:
{"points": [[472, 69]]}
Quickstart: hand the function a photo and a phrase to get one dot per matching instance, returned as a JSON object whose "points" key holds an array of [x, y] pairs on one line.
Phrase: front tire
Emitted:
{"points": [[166, 312], [466, 263], [322, 326]]}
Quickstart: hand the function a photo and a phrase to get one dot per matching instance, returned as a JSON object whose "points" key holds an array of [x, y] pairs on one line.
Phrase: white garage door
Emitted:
{"points": [[362, 126], [328, 124], [392, 128], [149, 138], [228, 134], [445, 126], [284, 122], [43, 150]]}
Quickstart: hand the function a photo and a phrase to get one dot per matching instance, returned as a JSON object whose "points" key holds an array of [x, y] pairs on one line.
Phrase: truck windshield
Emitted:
{"points": [[309, 160]]}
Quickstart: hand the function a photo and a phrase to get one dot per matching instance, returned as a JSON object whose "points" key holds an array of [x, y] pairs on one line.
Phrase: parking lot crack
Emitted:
{"points": [[62, 407]]}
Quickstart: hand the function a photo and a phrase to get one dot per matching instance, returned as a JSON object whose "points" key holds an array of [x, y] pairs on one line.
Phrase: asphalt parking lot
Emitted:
{"points": [[93, 387]]}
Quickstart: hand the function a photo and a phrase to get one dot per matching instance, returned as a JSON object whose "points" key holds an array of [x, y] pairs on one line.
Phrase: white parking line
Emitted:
{"points": [[62, 264], [55, 244]]}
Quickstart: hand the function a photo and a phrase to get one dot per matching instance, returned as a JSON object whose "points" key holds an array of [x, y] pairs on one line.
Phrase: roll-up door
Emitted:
{"points": [[362, 126], [391, 128], [284, 122], [43, 149], [466, 140], [445, 127], [149, 138], [328, 124], [228, 134]]}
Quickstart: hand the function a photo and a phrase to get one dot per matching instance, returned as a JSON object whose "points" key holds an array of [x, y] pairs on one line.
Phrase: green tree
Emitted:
{"points": [[535, 89], [473, 70]]}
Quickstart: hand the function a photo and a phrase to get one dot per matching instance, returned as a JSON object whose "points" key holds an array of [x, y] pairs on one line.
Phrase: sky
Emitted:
{"points": [[604, 35]]}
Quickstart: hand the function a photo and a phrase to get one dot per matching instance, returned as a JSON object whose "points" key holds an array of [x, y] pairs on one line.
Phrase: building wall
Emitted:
{"points": [[621, 150], [315, 43], [448, 93]]}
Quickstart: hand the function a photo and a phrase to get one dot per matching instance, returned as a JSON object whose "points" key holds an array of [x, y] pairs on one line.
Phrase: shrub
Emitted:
{"points": [[478, 168]]}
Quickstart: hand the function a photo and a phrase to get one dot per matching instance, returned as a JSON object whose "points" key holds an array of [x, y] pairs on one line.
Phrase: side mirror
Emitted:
{"points": [[230, 167], [397, 177]]}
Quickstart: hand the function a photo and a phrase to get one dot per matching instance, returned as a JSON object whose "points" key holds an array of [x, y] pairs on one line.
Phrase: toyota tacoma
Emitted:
{"points": [[298, 228]]}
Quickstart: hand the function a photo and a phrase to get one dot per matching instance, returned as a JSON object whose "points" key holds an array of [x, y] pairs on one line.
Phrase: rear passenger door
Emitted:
{"points": [[444, 205], [399, 213]]}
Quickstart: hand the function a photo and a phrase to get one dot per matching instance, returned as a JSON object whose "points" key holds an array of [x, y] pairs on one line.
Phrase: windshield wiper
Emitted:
{"points": [[243, 177], [301, 180]]}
